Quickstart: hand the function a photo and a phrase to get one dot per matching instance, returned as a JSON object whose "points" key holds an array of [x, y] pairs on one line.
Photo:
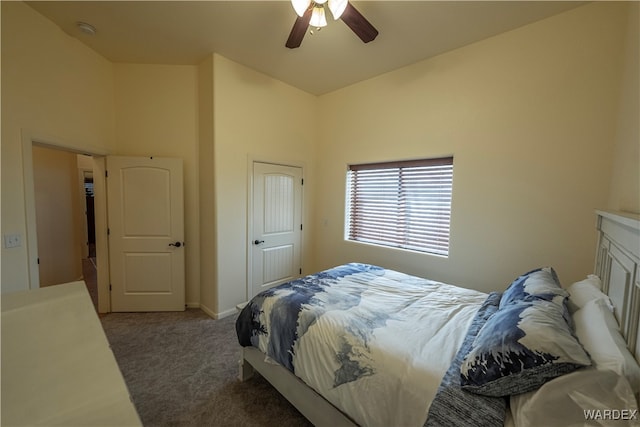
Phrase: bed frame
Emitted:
{"points": [[617, 264], [310, 404]]}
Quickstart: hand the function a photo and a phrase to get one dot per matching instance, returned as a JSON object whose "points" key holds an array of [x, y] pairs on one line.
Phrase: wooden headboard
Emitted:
{"points": [[618, 265]]}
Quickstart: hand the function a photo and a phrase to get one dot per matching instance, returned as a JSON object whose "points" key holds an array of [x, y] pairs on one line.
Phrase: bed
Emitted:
{"points": [[362, 345]]}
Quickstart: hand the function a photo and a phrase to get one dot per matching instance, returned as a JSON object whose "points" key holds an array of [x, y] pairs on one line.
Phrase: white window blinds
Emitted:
{"points": [[403, 204]]}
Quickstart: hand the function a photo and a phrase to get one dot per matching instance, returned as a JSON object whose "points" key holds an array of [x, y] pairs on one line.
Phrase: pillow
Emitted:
{"points": [[542, 283], [519, 348], [597, 330], [584, 291], [593, 280], [568, 401]]}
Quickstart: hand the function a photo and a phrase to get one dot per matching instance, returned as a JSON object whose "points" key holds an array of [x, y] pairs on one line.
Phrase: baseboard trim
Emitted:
{"points": [[207, 310], [215, 315], [227, 313]]}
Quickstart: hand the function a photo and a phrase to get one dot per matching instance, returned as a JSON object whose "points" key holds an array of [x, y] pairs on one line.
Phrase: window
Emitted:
{"points": [[403, 204]]}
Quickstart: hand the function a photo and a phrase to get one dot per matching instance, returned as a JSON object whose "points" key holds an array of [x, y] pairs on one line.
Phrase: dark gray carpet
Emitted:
{"points": [[182, 368]]}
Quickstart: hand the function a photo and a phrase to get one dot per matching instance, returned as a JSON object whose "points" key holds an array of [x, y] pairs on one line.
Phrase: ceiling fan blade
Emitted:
{"points": [[358, 24], [299, 29]]}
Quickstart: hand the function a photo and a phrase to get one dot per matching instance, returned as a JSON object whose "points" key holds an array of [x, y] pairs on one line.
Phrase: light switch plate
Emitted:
{"points": [[12, 240]]}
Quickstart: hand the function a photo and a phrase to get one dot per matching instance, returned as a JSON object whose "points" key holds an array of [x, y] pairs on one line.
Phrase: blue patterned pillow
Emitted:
{"points": [[541, 283], [519, 348]]}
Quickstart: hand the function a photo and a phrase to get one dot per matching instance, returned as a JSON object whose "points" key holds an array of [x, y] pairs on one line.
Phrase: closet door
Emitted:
{"points": [[276, 231]]}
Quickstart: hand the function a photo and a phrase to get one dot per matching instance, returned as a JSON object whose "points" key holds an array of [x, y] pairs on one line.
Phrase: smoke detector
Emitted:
{"points": [[87, 29]]}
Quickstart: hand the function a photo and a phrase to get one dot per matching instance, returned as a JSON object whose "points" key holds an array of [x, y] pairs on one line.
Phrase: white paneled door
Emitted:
{"points": [[277, 225], [146, 233]]}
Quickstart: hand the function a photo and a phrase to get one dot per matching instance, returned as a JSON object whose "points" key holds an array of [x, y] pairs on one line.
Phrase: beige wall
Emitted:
{"points": [[157, 115], [56, 90], [529, 116], [57, 197], [625, 181], [255, 117], [208, 265]]}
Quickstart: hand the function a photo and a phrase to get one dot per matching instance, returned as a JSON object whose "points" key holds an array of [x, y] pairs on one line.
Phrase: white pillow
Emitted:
{"points": [[594, 280], [584, 291], [570, 399], [597, 330]]}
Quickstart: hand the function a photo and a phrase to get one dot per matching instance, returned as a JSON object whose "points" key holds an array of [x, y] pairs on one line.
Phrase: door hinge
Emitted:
{"points": [[109, 287], [302, 181], [300, 226], [106, 174], [300, 271], [108, 232], [38, 261]]}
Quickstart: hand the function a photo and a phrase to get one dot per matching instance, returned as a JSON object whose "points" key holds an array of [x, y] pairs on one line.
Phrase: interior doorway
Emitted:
{"points": [[63, 195], [97, 157]]}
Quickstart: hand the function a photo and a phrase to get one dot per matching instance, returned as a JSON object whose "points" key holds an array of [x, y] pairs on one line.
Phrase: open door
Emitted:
{"points": [[146, 233]]}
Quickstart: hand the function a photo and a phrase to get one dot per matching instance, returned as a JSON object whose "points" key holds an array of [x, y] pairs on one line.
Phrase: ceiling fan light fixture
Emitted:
{"points": [[300, 6], [314, 19], [318, 18], [337, 7]]}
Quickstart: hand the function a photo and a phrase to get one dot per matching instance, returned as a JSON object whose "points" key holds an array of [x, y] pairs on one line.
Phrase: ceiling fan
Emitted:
{"points": [[312, 13]]}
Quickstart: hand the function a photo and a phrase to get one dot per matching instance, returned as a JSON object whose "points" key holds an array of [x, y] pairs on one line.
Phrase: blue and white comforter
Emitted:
{"points": [[373, 342]]}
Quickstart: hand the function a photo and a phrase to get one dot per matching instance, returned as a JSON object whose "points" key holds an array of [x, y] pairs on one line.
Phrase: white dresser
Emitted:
{"points": [[57, 367]]}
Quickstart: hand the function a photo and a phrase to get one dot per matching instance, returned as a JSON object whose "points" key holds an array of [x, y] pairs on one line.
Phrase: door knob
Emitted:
{"points": [[176, 244], [257, 242]]}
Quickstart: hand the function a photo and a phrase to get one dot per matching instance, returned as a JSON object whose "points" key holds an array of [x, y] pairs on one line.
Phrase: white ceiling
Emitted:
{"points": [[253, 33]]}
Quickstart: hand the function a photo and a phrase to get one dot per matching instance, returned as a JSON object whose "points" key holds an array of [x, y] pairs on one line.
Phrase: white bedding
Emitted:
{"points": [[376, 343]]}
